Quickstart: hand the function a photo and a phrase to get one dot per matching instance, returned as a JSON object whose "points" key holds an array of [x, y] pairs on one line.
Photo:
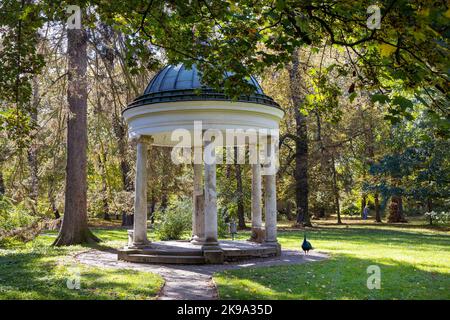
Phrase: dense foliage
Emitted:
{"points": [[372, 103]]}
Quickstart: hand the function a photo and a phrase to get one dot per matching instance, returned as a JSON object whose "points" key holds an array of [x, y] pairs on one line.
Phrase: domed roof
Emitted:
{"points": [[179, 83], [179, 77]]}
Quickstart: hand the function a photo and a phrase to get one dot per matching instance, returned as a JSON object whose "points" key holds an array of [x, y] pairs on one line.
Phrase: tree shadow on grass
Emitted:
{"points": [[342, 277], [41, 275], [107, 237], [371, 235], [434, 227]]}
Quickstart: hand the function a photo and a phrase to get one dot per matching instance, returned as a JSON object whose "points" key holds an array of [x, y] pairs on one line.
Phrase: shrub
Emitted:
{"points": [[350, 209], [16, 223], [13, 216], [222, 226], [438, 217], [175, 220]]}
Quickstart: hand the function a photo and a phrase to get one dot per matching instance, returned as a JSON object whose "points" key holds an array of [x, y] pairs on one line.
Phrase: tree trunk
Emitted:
{"points": [[165, 187], [51, 197], [239, 192], [120, 132], [33, 164], [164, 201], [400, 208], [228, 171], [125, 167], [301, 145], [108, 56], [2, 184], [363, 204], [32, 150], [396, 210], [102, 160], [377, 208], [152, 206], [336, 191], [74, 228], [56, 212], [127, 219], [321, 212], [430, 208]]}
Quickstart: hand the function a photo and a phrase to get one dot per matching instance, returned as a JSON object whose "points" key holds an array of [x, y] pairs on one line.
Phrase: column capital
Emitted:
{"points": [[140, 138]]}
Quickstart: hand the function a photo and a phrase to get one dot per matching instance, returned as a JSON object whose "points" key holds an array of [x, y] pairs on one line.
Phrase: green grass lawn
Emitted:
{"points": [[414, 263], [38, 271]]}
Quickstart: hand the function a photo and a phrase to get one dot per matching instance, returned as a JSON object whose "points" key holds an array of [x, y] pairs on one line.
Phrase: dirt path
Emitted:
{"points": [[192, 282]]}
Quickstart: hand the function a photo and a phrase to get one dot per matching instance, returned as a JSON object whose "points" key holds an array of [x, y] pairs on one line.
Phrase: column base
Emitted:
{"points": [[197, 240], [136, 245], [258, 235], [274, 244], [207, 245], [139, 245]]}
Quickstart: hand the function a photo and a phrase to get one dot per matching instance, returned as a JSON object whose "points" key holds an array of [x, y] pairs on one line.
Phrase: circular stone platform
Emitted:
{"points": [[184, 252]]}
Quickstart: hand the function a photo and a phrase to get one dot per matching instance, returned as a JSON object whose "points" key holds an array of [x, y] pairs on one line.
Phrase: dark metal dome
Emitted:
{"points": [[178, 83]]}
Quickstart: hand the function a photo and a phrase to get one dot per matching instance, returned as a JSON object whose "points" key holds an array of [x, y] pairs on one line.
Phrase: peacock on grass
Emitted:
{"points": [[306, 245]]}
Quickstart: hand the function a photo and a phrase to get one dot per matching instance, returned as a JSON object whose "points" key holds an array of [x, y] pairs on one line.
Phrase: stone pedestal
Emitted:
{"points": [[214, 256], [130, 238]]}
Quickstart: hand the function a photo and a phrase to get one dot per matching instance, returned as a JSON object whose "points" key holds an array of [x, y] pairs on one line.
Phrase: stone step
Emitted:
{"points": [[250, 252], [144, 258], [165, 252]]}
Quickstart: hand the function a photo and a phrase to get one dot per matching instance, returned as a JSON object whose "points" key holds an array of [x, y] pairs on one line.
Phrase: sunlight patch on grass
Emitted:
{"points": [[38, 271], [415, 264]]}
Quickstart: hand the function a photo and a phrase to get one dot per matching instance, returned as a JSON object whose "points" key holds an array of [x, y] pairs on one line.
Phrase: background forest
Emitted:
{"points": [[346, 141]]}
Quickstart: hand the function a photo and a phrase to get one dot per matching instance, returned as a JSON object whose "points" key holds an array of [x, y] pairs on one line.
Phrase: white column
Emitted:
{"points": [[270, 192], [198, 216], [140, 199], [256, 204], [270, 208], [210, 206]]}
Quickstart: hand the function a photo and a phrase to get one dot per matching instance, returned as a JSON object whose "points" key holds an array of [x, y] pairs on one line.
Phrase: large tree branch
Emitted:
{"points": [[288, 136], [331, 34]]}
